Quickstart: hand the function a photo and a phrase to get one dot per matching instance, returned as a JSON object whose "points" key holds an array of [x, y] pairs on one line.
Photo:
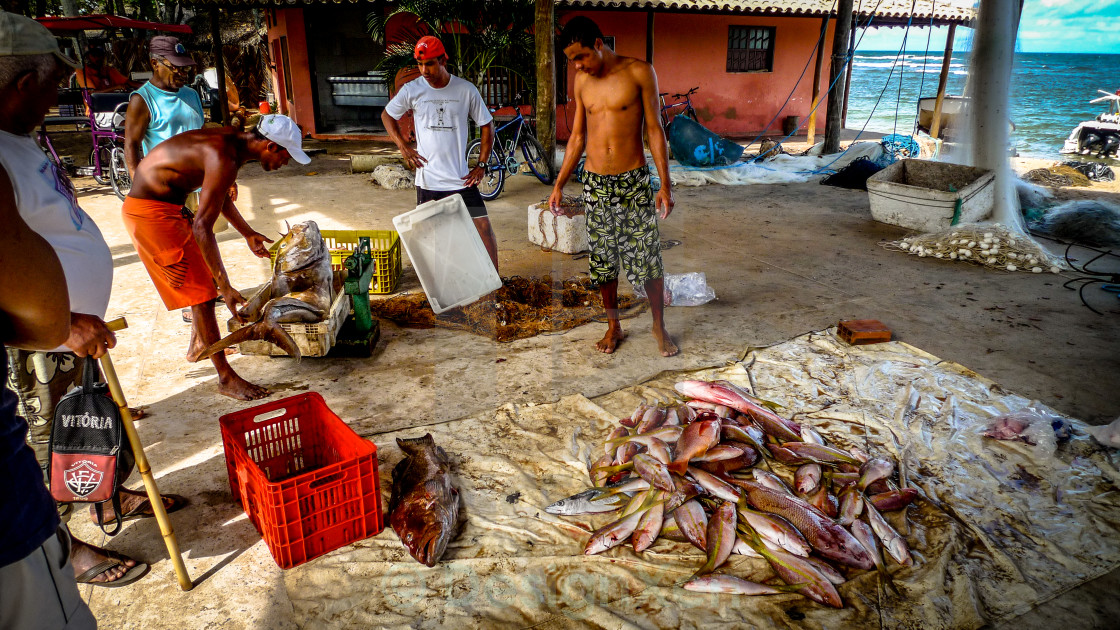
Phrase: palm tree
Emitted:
{"points": [[479, 35]]}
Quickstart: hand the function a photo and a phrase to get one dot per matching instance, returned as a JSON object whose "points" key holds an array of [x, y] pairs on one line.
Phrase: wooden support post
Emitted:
{"points": [[220, 64], [545, 36], [649, 36], [848, 77], [812, 131], [836, 69], [935, 125]]}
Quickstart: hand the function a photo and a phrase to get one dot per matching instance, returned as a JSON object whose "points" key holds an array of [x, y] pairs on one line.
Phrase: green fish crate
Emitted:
{"points": [[385, 245], [308, 483]]}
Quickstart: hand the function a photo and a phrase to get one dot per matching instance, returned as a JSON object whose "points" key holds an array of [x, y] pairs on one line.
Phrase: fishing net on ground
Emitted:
{"points": [[522, 308], [990, 245]]}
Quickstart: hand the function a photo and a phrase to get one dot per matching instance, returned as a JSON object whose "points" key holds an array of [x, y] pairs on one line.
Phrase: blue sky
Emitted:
{"points": [[1072, 26]]}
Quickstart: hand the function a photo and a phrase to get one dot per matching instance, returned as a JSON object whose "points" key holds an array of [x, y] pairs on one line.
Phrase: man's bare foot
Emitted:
{"points": [[196, 348], [610, 341], [240, 389], [85, 556], [665, 343]]}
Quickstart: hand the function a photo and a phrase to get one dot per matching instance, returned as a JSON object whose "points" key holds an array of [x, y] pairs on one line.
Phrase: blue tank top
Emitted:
{"points": [[29, 514], [170, 113]]}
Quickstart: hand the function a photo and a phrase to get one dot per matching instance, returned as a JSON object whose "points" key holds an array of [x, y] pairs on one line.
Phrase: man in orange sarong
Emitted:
{"points": [[179, 250]]}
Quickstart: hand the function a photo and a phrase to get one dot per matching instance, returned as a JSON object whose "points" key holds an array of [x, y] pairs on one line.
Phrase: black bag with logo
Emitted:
{"points": [[90, 456]]}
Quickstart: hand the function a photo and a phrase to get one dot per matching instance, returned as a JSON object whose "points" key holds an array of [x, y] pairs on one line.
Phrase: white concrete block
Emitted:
{"points": [[563, 234]]}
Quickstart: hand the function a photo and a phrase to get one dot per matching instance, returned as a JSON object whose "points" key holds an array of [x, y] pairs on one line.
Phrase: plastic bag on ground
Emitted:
{"points": [[685, 289], [1109, 434]]}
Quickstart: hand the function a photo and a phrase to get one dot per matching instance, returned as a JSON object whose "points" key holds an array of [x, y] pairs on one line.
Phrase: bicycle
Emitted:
{"points": [[105, 115], [688, 110], [503, 159]]}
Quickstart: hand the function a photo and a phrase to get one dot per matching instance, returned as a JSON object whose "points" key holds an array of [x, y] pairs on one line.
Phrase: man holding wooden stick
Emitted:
{"points": [[43, 199]]}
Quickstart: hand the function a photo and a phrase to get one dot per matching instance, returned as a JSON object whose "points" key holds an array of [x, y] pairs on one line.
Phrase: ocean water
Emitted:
{"points": [[1050, 93]]}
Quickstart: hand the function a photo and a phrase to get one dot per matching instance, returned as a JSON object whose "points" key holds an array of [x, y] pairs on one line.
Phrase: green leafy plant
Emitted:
{"points": [[481, 36]]}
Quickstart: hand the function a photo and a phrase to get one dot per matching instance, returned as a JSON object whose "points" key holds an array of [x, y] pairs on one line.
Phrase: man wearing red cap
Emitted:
{"points": [[441, 104]]}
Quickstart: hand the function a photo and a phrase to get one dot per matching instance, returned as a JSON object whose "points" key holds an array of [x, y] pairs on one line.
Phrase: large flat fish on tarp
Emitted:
{"points": [[301, 291], [424, 506]]}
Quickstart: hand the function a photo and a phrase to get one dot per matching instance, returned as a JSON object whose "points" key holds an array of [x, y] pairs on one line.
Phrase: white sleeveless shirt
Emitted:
{"points": [[46, 202]]}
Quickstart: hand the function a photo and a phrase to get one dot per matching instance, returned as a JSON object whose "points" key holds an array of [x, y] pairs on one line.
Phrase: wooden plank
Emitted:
{"points": [[838, 94], [545, 31], [935, 126]]}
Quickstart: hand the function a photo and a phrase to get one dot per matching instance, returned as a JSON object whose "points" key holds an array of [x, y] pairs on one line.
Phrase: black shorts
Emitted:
{"points": [[475, 206]]}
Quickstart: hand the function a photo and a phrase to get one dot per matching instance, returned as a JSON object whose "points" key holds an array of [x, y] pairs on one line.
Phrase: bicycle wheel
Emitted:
{"points": [[106, 157], [494, 179], [118, 173], [541, 166]]}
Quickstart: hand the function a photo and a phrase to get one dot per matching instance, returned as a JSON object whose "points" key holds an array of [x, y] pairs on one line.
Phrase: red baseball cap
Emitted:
{"points": [[428, 48]]}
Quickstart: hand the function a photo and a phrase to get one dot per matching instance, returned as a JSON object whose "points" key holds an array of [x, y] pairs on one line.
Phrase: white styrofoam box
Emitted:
{"points": [[562, 233], [447, 253], [916, 194]]}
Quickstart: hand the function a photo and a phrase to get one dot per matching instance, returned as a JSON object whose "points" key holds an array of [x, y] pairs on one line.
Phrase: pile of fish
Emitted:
{"points": [[688, 473]]}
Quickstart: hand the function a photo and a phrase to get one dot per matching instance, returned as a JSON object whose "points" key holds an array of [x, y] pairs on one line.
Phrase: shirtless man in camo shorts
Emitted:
{"points": [[615, 95]]}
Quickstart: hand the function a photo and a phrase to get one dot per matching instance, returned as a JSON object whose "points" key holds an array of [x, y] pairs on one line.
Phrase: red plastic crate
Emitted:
{"points": [[306, 480]]}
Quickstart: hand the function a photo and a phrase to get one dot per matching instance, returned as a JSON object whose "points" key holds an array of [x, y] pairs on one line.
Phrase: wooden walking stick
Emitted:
{"points": [[142, 464]]}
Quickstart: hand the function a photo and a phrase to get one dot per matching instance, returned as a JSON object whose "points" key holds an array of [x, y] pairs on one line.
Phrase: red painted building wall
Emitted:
{"points": [[690, 50], [287, 31]]}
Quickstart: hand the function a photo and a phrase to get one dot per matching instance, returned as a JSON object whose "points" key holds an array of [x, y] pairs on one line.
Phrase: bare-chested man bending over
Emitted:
{"points": [[180, 251], [615, 96]]}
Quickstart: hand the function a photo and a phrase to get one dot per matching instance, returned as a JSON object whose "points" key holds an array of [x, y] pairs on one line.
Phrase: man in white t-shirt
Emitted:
{"points": [[441, 104]]}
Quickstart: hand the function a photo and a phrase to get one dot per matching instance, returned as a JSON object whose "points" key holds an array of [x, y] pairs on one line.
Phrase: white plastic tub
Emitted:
{"points": [[447, 253], [922, 195]]}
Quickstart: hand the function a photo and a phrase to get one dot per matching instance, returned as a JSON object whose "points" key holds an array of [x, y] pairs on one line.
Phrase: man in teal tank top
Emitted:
{"points": [[163, 107]]}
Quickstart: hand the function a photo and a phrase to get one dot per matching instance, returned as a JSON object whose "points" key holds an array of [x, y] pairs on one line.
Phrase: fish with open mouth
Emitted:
{"points": [[424, 506], [301, 291]]}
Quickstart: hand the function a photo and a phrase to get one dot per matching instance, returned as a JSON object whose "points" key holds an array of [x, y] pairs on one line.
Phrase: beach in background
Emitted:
{"points": [[1050, 93]]}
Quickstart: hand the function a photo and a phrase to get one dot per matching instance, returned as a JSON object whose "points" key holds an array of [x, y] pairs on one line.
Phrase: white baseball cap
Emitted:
{"points": [[284, 132], [21, 35]]}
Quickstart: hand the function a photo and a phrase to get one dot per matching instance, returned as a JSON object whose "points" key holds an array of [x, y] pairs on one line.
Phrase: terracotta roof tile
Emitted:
{"points": [[959, 11], [892, 12]]}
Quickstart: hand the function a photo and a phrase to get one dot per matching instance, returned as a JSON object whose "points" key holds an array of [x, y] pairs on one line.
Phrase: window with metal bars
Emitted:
{"points": [[750, 48]]}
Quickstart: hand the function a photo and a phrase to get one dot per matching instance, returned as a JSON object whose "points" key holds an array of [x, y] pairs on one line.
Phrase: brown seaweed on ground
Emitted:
{"points": [[424, 506], [522, 308]]}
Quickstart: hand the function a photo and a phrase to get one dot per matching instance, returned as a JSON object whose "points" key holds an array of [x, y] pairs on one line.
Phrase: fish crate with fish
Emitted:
{"points": [[307, 482], [385, 247], [301, 309], [313, 340]]}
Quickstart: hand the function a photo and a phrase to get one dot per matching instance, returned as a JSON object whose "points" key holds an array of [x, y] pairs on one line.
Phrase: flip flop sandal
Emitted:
{"points": [[113, 561], [144, 510]]}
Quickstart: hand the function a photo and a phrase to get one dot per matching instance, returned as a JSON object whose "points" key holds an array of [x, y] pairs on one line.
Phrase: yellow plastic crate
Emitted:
{"points": [[385, 246]]}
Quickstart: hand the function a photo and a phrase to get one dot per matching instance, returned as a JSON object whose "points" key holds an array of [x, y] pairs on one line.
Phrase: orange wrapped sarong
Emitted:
{"points": [[166, 246]]}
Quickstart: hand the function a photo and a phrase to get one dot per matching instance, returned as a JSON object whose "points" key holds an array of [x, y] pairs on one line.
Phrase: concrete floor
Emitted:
{"points": [[783, 260]]}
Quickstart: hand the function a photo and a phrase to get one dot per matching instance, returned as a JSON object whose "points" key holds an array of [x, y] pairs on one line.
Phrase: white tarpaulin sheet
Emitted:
{"points": [[781, 169], [1003, 525]]}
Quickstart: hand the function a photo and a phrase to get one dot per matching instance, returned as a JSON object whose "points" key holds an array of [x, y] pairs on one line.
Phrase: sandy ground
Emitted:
{"points": [[783, 260]]}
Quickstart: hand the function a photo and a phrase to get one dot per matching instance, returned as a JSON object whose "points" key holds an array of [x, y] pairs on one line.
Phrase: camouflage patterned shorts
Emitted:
{"points": [[622, 227]]}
